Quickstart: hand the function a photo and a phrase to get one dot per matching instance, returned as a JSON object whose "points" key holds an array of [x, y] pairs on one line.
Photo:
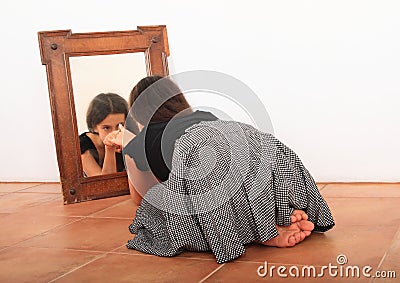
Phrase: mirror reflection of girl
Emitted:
{"points": [[104, 115], [276, 203]]}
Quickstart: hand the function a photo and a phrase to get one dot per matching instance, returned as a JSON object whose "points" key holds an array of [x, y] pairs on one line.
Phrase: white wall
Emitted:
{"points": [[327, 71]]}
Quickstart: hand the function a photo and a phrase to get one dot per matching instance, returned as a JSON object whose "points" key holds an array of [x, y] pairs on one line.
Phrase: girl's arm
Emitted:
{"points": [[110, 162], [92, 168], [139, 181], [89, 164]]}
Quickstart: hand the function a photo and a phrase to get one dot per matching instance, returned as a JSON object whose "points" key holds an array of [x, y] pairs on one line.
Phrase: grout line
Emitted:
{"points": [[105, 209], [45, 232], [70, 249], [79, 218], [323, 187], [395, 238], [361, 197], [359, 183], [58, 249], [212, 273], [114, 252], [20, 190], [110, 217], [40, 193], [78, 267], [141, 254], [38, 184], [381, 262]]}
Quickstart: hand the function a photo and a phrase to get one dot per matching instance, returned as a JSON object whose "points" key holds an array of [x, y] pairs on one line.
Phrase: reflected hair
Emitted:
{"points": [[102, 105], [164, 92]]}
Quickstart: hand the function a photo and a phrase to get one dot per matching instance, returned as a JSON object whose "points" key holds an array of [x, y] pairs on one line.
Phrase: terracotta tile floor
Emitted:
{"points": [[42, 240]]}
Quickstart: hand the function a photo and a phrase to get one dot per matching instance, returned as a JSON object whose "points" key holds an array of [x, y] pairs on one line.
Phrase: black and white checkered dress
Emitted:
{"points": [[229, 185]]}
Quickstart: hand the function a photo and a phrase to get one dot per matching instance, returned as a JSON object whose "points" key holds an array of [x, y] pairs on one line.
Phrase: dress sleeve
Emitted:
{"points": [[86, 143]]}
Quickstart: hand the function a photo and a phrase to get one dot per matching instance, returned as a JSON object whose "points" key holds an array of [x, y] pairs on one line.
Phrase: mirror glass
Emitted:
{"points": [[92, 75]]}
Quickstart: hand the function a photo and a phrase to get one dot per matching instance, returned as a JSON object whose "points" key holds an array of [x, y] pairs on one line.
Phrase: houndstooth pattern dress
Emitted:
{"points": [[230, 184]]}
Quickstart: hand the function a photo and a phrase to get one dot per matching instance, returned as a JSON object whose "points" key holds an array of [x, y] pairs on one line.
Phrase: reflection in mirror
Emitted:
{"points": [[61, 50], [101, 84]]}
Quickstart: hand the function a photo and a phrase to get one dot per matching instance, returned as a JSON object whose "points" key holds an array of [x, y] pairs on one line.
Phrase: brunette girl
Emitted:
{"points": [[104, 115], [205, 184]]}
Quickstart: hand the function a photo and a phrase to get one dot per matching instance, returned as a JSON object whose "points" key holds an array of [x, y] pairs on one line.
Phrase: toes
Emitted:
{"points": [[302, 235], [306, 225], [298, 215], [291, 241], [307, 233], [297, 237]]}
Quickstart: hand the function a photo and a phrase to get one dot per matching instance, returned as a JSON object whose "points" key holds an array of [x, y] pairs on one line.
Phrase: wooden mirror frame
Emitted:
{"points": [[56, 47]]}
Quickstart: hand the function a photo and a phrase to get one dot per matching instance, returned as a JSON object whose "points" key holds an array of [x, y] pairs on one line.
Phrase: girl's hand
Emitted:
{"points": [[114, 139], [109, 141], [119, 135]]}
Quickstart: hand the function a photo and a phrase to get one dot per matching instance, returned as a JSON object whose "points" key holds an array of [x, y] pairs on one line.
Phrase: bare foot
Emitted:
{"points": [[294, 233], [290, 235], [298, 215], [305, 226]]}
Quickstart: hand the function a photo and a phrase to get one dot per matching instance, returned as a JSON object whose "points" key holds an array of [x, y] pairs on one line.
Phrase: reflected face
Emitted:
{"points": [[109, 124]]}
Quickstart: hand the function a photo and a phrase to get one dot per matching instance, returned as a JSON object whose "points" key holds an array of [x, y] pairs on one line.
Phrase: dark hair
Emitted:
{"points": [[103, 105], [153, 101]]}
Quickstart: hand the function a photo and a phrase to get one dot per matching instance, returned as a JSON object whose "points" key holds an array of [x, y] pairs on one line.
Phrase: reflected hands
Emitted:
{"points": [[114, 139], [120, 134]]}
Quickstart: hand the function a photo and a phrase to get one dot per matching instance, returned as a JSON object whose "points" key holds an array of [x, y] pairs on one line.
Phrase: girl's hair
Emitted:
{"points": [[164, 98], [103, 105]]}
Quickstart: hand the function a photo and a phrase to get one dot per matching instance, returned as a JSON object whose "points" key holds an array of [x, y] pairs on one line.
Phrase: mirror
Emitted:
{"points": [[92, 75], [79, 66]]}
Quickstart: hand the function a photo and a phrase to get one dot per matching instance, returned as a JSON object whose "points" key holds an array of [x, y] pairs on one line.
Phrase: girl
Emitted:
{"points": [[207, 184], [105, 112]]}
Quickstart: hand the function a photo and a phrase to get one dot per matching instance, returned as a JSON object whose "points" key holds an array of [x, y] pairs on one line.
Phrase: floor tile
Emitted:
{"points": [[255, 272], [365, 211], [14, 187], [51, 188], [136, 268], [123, 209], [15, 202], [391, 261], [56, 207], [4, 214], [361, 190], [42, 240], [39, 265], [189, 255], [17, 227], [322, 249], [96, 234]]}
